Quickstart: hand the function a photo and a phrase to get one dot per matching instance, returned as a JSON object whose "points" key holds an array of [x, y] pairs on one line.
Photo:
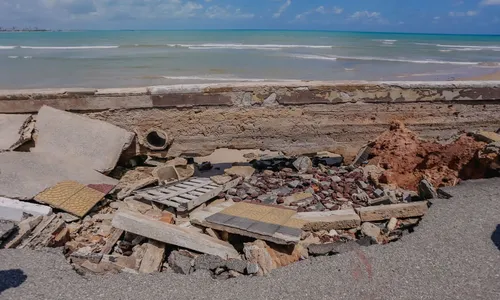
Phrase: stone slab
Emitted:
{"points": [[24, 175], [11, 130], [94, 143], [6, 228], [172, 234], [328, 220], [398, 211], [265, 222], [71, 196], [13, 210]]}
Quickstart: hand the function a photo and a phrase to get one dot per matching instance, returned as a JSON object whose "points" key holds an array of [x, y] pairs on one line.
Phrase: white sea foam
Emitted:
{"points": [[13, 56], [247, 46], [311, 56], [386, 42], [7, 47], [68, 47], [427, 61], [210, 78], [464, 47], [402, 60]]}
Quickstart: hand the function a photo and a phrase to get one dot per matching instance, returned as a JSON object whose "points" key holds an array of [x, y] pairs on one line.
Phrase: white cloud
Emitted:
{"points": [[282, 9], [490, 2], [469, 13], [364, 14], [320, 10], [228, 12]]}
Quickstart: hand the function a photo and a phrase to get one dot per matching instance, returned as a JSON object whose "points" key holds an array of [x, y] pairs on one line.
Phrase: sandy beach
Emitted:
{"points": [[492, 76]]}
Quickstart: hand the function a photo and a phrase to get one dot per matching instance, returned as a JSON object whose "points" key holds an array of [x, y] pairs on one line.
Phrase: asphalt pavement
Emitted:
{"points": [[453, 254]]}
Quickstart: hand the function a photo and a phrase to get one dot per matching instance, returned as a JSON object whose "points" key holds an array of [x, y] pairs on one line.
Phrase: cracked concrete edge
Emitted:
{"points": [[248, 94]]}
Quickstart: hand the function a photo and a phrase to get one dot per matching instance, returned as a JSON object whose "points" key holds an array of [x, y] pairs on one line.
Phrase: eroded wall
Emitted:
{"points": [[295, 117]]}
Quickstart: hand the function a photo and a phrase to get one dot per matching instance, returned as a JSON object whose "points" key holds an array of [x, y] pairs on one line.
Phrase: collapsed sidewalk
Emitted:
{"points": [[221, 218]]}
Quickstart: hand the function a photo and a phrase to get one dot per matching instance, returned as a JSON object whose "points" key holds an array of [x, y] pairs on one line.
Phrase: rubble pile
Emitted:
{"points": [[221, 220], [406, 159]]}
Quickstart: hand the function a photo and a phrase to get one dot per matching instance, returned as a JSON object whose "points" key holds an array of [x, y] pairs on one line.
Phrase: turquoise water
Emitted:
{"points": [[139, 58]]}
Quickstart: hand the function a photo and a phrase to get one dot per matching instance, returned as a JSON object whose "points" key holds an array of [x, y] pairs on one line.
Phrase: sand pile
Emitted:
{"points": [[406, 159]]}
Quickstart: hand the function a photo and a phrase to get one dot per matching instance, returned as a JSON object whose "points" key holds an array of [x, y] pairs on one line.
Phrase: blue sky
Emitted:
{"points": [[441, 16]]}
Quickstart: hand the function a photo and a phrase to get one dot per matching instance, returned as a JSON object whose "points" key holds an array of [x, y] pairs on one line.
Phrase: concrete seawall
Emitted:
{"points": [[298, 117]]}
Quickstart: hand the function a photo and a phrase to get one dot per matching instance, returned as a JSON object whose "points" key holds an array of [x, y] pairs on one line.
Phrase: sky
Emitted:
{"points": [[427, 16]]}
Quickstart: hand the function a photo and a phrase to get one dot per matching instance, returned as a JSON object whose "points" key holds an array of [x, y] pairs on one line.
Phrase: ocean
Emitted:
{"points": [[103, 59]]}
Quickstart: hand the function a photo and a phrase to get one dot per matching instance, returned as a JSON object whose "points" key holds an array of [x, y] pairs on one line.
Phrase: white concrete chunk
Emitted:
{"points": [[12, 210]]}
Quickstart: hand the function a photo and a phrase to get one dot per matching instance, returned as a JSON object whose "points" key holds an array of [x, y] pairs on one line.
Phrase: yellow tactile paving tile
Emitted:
{"points": [[262, 213], [83, 201], [59, 193], [295, 223], [277, 216], [71, 196]]}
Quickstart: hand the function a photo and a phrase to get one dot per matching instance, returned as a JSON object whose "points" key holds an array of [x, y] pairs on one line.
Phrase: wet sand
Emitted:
{"points": [[492, 76]]}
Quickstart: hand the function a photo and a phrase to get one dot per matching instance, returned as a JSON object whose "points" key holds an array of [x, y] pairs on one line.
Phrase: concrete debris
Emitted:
{"points": [[153, 257], [221, 179], [93, 143], [180, 263], [24, 175], [171, 234], [240, 171], [328, 220], [302, 164], [487, 136], [166, 174], [274, 224], [229, 220], [399, 211], [6, 227], [15, 130], [14, 210], [426, 190]]}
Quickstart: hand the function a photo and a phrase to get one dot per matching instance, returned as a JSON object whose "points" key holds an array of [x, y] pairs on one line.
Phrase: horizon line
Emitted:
{"points": [[27, 29]]}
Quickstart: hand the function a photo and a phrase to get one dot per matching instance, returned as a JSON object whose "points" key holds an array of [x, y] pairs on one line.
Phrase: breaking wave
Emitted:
{"points": [[68, 47], [464, 47], [401, 60], [210, 78]]}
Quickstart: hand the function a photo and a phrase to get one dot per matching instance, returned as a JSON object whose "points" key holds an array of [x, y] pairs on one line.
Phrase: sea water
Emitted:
{"points": [[141, 58]]}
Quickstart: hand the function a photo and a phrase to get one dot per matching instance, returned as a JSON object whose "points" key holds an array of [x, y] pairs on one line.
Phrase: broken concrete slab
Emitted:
{"points": [[13, 210], [24, 175], [15, 130], [331, 248], [266, 222], [328, 220], [153, 258], [171, 234], [25, 228], [487, 136], [398, 211], [426, 190], [96, 144], [240, 171], [6, 228]]}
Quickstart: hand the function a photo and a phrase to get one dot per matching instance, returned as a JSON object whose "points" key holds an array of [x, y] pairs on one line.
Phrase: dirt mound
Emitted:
{"points": [[407, 159]]}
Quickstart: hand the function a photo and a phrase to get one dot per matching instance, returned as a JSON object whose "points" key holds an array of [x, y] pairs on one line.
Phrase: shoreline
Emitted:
{"points": [[494, 76]]}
